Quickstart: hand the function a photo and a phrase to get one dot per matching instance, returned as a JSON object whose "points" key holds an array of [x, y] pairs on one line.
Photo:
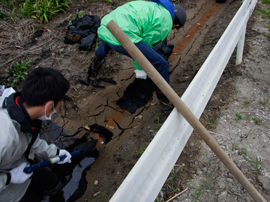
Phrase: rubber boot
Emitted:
{"points": [[95, 66], [62, 182], [163, 100]]}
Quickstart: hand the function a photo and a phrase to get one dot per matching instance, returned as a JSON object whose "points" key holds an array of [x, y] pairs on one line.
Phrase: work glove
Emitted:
{"points": [[140, 74], [67, 159], [18, 176]]}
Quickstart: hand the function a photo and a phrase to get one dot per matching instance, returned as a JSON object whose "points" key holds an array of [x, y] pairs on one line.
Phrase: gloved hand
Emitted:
{"points": [[67, 159], [18, 176], [140, 74]]}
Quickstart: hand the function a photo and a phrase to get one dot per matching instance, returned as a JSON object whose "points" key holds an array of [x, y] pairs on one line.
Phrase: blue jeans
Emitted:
{"points": [[154, 58]]}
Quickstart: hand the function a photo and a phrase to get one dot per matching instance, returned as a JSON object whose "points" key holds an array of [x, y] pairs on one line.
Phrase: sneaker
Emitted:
{"points": [[62, 182], [164, 102]]}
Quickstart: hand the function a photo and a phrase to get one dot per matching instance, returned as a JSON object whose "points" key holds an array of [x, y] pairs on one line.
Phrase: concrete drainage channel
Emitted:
{"points": [[122, 121]]}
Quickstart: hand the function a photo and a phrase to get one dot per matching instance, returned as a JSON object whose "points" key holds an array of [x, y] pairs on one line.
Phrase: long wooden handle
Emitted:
{"points": [[181, 107]]}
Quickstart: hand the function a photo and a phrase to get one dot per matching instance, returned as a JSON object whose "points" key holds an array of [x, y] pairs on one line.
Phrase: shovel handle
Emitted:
{"points": [[42, 164]]}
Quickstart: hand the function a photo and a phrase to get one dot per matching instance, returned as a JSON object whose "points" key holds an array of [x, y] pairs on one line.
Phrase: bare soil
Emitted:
{"points": [[88, 105]]}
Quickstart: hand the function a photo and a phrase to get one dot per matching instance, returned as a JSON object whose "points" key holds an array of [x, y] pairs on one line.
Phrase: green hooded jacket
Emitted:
{"points": [[141, 21]]}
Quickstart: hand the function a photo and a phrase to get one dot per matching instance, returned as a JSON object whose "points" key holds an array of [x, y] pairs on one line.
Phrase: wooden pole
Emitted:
{"points": [[136, 54]]}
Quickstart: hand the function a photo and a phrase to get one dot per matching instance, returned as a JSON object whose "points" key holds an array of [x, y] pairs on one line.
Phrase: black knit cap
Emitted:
{"points": [[180, 16]]}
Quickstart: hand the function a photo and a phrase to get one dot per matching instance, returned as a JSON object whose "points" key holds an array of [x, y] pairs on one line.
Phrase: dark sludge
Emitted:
{"points": [[79, 165], [137, 95]]}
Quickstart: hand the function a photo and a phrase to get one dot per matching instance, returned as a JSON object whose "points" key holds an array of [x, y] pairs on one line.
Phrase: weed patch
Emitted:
{"points": [[211, 123], [257, 121], [256, 164], [239, 116], [3, 14], [17, 73], [140, 151], [205, 186], [264, 101], [42, 10]]}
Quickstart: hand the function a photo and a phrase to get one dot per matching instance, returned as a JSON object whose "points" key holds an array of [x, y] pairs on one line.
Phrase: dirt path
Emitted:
{"points": [[238, 118], [133, 132]]}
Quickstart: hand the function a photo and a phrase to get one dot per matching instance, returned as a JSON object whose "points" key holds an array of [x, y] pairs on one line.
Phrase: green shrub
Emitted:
{"points": [[17, 73]]}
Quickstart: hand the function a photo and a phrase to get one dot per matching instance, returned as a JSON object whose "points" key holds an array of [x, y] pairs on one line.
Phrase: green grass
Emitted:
{"points": [[266, 1], [243, 151], [211, 123], [205, 186], [157, 121], [246, 102], [265, 13], [140, 151], [264, 101], [257, 121], [42, 10], [3, 14], [234, 146], [17, 73], [202, 60], [239, 116], [9, 3], [118, 56], [256, 164]]}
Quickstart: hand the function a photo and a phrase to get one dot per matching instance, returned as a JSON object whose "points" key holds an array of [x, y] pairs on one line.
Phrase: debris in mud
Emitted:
{"points": [[95, 82], [34, 39], [46, 54], [137, 95], [87, 42], [104, 132], [80, 164], [83, 30], [63, 24]]}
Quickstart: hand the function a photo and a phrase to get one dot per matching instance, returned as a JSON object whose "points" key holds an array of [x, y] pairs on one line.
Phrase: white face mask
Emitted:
{"points": [[45, 117]]}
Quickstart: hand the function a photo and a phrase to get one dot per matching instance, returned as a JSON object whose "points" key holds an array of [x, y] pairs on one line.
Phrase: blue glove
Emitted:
{"points": [[18, 176], [67, 159]]}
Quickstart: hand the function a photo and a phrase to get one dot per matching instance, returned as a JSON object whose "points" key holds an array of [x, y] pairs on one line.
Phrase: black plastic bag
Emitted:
{"points": [[87, 42]]}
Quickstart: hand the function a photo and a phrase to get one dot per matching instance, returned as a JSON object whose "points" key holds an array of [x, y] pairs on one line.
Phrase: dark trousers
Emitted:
{"points": [[154, 58], [43, 179]]}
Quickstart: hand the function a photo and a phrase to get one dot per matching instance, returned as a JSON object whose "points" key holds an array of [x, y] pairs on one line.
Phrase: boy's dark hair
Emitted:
{"points": [[42, 85]]}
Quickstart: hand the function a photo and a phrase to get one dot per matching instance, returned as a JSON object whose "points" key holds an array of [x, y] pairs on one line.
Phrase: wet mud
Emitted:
{"points": [[137, 95], [81, 163]]}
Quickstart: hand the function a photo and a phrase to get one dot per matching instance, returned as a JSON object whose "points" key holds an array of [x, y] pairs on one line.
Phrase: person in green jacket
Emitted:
{"points": [[146, 24]]}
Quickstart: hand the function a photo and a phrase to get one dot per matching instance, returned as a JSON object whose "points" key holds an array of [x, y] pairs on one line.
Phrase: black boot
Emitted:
{"points": [[62, 182], [96, 64], [163, 100]]}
